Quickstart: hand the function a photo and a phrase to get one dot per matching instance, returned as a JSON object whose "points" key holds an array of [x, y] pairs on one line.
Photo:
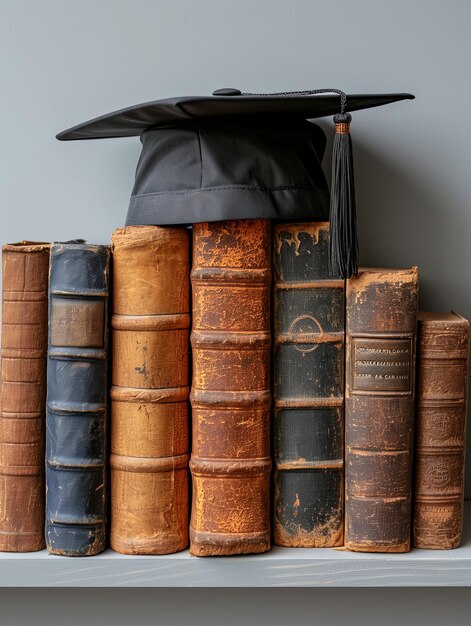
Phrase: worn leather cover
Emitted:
{"points": [[230, 395], [77, 399], [23, 396], [379, 408], [442, 342], [149, 396], [309, 337]]}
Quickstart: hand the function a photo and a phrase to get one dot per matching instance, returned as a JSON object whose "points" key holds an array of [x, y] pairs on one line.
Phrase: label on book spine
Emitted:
{"points": [[382, 365]]}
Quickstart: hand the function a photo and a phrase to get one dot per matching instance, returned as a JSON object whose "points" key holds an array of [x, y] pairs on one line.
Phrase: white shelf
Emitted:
{"points": [[281, 567]]}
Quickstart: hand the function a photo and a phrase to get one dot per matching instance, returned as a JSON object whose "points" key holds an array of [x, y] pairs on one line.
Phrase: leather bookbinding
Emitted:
{"points": [[77, 394], [309, 338], [230, 395], [23, 396], [379, 408], [149, 396], [442, 363]]}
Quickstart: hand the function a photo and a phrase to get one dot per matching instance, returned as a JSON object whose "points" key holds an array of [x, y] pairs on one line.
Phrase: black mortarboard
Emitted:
{"points": [[239, 156]]}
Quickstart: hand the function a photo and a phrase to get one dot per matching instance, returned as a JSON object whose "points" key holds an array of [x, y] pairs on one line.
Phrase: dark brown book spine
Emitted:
{"points": [[149, 396], [309, 338], [23, 396], [440, 430], [379, 409], [230, 396]]}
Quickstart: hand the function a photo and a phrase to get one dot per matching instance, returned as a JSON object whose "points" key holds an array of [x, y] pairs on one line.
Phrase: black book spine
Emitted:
{"points": [[77, 394], [309, 339]]}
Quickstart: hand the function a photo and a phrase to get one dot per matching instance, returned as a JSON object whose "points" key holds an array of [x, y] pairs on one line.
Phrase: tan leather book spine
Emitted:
{"points": [[150, 388], [23, 396], [230, 395], [442, 343], [379, 408]]}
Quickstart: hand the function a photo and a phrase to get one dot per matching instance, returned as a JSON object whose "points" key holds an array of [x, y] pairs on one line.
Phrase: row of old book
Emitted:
{"points": [[344, 410]]}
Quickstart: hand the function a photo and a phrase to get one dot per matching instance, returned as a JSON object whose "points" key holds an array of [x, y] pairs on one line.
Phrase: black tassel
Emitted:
{"points": [[343, 228]]}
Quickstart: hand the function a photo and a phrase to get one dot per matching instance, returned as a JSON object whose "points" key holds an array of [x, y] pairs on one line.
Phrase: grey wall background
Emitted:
{"points": [[64, 61]]}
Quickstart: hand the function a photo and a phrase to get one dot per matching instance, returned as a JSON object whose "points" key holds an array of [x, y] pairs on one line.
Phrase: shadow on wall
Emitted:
{"points": [[410, 217]]}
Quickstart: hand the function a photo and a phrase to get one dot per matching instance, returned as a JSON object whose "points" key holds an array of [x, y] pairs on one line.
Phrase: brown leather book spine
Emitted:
{"points": [[230, 396], [23, 396], [379, 409], [150, 388], [440, 430]]}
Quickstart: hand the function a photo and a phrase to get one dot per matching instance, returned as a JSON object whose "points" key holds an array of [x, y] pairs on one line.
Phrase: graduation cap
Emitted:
{"points": [[238, 155]]}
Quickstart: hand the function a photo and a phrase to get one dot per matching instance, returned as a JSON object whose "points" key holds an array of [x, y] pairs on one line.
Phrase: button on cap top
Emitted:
{"points": [[227, 91]]}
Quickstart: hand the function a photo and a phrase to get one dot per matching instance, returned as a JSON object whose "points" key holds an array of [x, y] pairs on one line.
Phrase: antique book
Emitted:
{"points": [[230, 395], [150, 388], [442, 360], [77, 399], [379, 408], [309, 339], [23, 396]]}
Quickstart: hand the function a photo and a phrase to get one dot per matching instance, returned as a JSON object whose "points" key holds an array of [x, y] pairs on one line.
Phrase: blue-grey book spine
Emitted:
{"points": [[309, 341], [77, 392]]}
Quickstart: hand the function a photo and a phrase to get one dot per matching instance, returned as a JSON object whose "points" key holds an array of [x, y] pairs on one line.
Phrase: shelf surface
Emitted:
{"points": [[281, 567]]}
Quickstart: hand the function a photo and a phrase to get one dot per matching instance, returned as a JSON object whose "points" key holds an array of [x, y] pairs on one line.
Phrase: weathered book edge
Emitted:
{"points": [[309, 339], [442, 367], [23, 395], [230, 462], [77, 395], [379, 411]]}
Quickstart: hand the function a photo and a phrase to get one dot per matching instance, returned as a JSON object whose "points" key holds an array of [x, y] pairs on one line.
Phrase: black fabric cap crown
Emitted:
{"points": [[227, 156], [210, 170]]}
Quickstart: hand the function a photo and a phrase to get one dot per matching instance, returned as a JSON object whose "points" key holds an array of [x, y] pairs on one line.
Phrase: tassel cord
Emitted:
{"points": [[344, 250], [344, 241]]}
